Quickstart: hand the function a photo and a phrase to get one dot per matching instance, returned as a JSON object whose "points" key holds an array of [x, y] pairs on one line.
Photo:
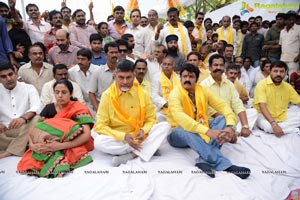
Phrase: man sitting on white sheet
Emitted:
{"points": [[19, 104], [225, 89], [166, 81], [271, 99], [188, 104], [126, 120]]}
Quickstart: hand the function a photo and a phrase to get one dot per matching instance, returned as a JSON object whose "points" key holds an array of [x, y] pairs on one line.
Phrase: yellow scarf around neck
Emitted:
{"points": [[181, 33], [167, 86], [229, 35], [200, 107], [137, 123], [200, 29]]}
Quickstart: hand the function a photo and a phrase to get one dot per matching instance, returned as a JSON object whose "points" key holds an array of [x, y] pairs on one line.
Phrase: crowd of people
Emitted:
{"points": [[69, 85]]}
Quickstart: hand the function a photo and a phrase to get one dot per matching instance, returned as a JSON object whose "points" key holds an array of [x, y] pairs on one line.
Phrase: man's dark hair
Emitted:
{"points": [[190, 68], [135, 10], [122, 42], [229, 45], [54, 12], [77, 11], [207, 19], [58, 67], [259, 17], [119, 8], [31, 5], [188, 24], [125, 66], [236, 17], [248, 58], [251, 18], [3, 5], [140, 60], [244, 23], [100, 24], [233, 67], [95, 36], [108, 17], [6, 66], [196, 53], [215, 56], [173, 9], [253, 23], [279, 64], [126, 36], [63, 8], [110, 44], [198, 13], [85, 53]]}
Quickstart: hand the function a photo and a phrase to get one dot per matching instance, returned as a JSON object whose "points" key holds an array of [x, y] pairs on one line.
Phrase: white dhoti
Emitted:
{"points": [[290, 125], [252, 115], [156, 136], [160, 116]]}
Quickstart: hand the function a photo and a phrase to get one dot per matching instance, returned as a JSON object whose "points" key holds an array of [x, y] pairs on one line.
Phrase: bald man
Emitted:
{"points": [[63, 52]]}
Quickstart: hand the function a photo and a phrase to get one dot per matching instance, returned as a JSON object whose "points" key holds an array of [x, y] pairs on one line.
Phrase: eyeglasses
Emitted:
{"points": [[200, 18], [123, 50]]}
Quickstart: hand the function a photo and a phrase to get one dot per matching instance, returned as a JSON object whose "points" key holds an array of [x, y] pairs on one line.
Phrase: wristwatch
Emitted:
{"points": [[232, 127], [245, 126]]}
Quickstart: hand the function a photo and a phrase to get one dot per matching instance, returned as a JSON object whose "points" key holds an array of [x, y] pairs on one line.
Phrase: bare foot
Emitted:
{"points": [[5, 154]]}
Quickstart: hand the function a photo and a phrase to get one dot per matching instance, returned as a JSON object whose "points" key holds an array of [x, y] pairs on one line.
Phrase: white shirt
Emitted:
{"points": [[166, 31], [18, 101], [142, 40], [290, 43], [47, 94], [36, 33], [153, 70], [82, 80], [101, 79]]}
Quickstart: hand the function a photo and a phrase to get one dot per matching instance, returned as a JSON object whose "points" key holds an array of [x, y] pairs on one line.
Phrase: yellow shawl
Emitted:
{"points": [[200, 107], [138, 123], [167, 86], [229, 35], [181, 33]]}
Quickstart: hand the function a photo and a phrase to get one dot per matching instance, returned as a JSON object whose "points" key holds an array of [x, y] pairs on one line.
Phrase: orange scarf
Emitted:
{"points": [[229, 35], [200, 107], [181, 34], [138, 123], [121, 32]]}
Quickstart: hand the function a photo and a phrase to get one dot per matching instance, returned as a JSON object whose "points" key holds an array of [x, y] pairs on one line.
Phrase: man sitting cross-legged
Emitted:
{"points": [[126, 119], [188, 104]]}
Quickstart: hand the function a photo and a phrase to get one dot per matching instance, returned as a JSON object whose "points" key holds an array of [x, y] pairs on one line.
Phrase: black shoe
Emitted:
{"points": [[242, 172], [207, 169]]}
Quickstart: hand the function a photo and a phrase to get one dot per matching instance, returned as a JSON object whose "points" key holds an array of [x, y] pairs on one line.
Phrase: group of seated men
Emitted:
{"points": [[138, 103]]}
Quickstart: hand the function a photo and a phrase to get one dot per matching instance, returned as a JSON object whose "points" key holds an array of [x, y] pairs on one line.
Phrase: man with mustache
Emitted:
{"points": [[188, 103], [56, 23], [102, 77], [126, 120], [36, 72], [19, 104], [80, 33], [271, 99], [173, 27], [82, 74], [63, 52], [172, 51], [225, 89], [35, 28], [140, 70]]}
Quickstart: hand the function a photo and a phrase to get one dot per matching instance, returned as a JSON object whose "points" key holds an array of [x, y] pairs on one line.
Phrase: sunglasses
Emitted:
{"points": [[123, 50]]}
